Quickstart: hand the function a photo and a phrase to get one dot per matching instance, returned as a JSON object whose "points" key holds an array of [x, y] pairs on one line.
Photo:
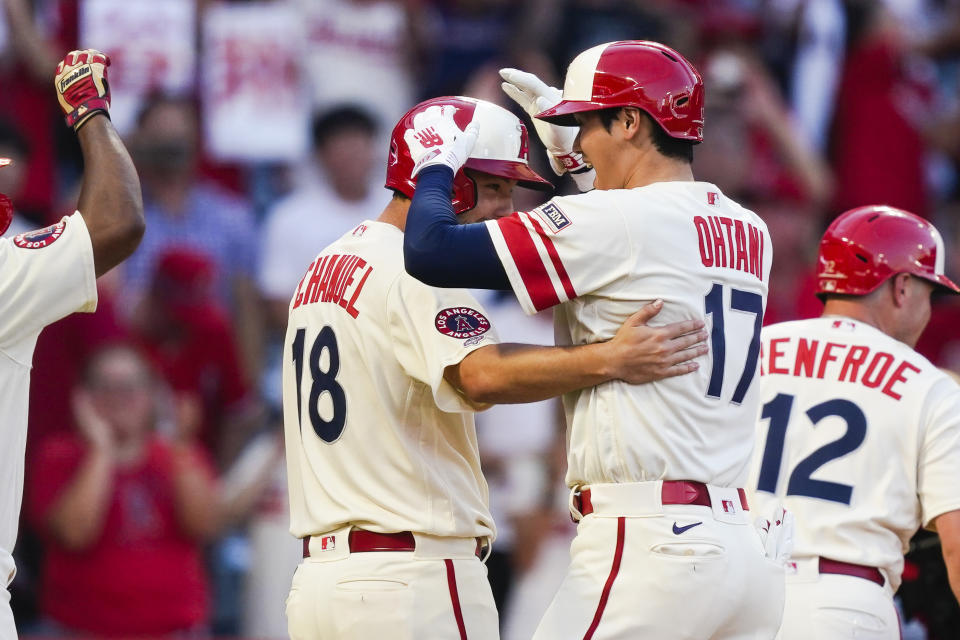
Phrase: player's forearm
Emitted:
{"points": [[110, 199], [76, 519], [514, 373], [948, 528], [438, 251]]}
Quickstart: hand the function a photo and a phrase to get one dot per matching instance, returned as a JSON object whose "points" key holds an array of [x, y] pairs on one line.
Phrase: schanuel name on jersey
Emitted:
{"points": [[462, 323], [334, 278]]}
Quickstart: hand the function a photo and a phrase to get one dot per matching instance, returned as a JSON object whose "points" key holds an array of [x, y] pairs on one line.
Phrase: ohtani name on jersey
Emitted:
{"points": [[730, 244], [836, 361], [334, 278]]}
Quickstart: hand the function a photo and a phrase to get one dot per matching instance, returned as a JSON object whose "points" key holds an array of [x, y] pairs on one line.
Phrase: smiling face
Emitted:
{"points": [[494, 197]]}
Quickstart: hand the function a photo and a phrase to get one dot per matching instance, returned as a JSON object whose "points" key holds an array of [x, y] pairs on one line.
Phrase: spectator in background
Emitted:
{"points": [[878, 149], [123, 512], [360, 51], [182, 211], [344, 191], [186, 333]]}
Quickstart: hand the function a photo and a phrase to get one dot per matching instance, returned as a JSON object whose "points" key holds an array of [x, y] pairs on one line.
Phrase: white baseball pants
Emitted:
{"points": [[439, 591], [830, 607], [641, 570]]}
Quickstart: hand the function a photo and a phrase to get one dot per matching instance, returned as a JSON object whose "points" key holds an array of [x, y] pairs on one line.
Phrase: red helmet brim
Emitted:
{"points": [[945, 282], [562, 112], [523, 174]]}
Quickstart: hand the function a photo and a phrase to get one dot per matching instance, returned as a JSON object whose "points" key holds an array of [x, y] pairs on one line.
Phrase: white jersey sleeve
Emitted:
{"points": [[938, 471], [431, 329], [547, 264], [45, 275]]}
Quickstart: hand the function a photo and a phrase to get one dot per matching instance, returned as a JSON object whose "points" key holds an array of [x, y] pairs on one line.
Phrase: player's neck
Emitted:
{"points": [[649, 166], [855, 310], [395, 213]]}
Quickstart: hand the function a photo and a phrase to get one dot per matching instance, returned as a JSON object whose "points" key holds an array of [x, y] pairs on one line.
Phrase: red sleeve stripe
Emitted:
{"points": [[555, 258], [525, 256]]}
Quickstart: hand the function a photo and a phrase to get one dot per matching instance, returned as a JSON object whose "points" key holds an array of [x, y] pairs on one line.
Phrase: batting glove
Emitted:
{"points": [[777, 535], [435, 139], [82, 87], [534, 95]]}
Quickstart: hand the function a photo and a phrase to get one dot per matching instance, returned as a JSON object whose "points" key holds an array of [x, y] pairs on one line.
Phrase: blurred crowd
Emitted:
{"points": [[155, 498]]}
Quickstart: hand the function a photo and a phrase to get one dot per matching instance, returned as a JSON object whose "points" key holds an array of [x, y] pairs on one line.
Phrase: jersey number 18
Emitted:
{"points": [[322, 381]]}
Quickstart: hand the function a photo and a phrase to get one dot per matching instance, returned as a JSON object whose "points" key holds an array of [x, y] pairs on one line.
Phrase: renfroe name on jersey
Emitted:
{"points": [[334, 278], [799, 357]]}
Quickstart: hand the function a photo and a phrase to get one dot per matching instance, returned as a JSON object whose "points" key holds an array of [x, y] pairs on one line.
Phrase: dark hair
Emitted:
{"points": [[157, 99], [666, 144], [10, 137], [347, 116]]}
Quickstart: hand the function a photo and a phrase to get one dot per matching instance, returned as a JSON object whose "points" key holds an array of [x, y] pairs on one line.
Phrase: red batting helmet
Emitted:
{"points": [[501, 150], [6, 207], [634, 73], [864, 247]]}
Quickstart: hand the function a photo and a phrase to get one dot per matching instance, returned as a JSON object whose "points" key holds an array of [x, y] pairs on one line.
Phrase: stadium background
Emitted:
{"points": [[259, 130]]}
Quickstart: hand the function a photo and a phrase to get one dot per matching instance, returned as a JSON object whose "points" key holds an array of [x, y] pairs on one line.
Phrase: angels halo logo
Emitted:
{"points": [[461, 322], [41, 237]]}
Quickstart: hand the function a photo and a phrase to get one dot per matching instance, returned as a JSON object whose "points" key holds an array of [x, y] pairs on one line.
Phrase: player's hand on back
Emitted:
{"points": [[640, 353], [435, 139], [82, 86], [534, 95]]}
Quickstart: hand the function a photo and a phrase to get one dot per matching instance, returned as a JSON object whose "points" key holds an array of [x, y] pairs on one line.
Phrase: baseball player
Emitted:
{"points": [[381, 376], [858, 434], [52, 272], [665, 546]]}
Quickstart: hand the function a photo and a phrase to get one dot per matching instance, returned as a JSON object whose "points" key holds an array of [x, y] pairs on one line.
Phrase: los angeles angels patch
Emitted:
{"points": [[41, 237], [461, 322]]}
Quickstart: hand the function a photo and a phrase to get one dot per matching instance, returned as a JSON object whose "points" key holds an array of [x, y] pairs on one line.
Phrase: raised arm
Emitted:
{"points": [[110, 200], [441, 253], [512, 373]]}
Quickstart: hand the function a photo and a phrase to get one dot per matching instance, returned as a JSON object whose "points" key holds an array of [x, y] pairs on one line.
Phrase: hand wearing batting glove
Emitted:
{"points": [[776, 533], [437, 140], [534, 95], [82, 87]]}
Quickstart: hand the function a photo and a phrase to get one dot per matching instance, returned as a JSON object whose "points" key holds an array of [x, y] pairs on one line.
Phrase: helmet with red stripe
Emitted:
{"points": [[6, 207], [866, 246], [501, 150], [634, 73]]}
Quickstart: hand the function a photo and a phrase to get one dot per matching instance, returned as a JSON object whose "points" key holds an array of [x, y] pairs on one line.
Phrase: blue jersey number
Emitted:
{"points": [[777, 411], [322, 382], [744, 301]]}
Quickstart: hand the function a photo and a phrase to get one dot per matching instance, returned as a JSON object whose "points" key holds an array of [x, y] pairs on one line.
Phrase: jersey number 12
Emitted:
{"points": [[321, 382]]}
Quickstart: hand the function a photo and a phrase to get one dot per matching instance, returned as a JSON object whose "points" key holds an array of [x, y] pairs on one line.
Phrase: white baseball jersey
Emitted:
{"points": [[375, 436], [600, 256], [44, 275], [860, 437]]}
